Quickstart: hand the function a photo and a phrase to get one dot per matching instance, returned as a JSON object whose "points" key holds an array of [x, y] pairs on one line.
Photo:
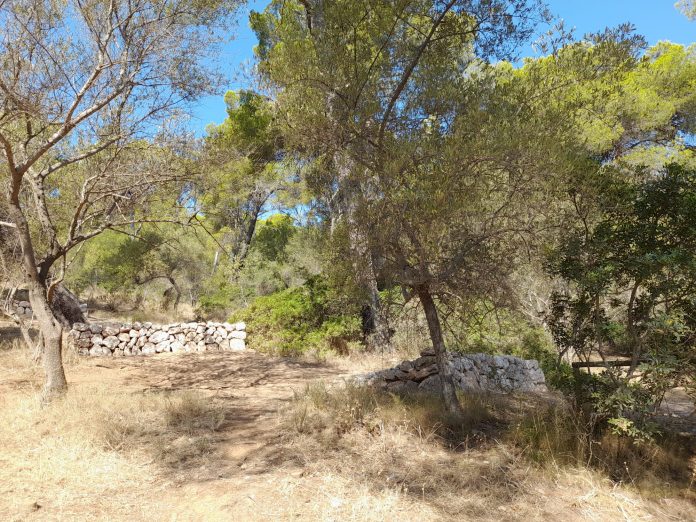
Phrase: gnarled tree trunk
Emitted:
{"points": [[52, 335], [50, 328], [449, 394], [345, 206]]}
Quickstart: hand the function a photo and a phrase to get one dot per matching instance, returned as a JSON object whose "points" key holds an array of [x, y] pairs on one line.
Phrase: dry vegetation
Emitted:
{"points": [[509, 458], [97, 450], [120, 447]]}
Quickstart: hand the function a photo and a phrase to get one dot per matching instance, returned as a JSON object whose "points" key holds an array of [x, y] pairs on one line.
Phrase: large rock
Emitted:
{"points": [[237, 345], [110, 342], [431, 384], [158, 337], [95, 328], [110, 330], [163, 346]]}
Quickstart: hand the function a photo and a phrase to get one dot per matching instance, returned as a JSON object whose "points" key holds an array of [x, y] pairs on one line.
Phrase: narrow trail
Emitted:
{"points": [[251, 477]]}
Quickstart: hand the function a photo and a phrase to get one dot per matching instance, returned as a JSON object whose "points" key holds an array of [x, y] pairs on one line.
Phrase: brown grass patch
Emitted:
{"points": [[480, 466], [341, 453], [93, 452]]}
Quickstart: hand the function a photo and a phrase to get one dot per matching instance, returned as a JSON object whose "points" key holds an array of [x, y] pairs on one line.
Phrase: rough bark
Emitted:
{"points": [[449, 395], [52, 334], [66, 307], [174, 289], [345, 204], [49, 327]]}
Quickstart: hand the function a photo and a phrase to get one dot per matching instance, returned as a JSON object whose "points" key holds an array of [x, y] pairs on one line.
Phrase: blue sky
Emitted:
{"points": [[655, 19]]}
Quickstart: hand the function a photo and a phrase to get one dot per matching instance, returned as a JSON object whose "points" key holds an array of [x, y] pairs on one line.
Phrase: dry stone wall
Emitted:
{"points": [[478, 372], [24, 311], [119, 340]]}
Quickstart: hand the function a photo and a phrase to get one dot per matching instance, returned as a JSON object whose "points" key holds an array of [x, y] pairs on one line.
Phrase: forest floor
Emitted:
{"points": [[209, 437]]}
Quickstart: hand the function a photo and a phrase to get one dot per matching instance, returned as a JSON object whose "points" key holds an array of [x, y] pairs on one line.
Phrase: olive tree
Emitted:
{"points": [[87, 91]]}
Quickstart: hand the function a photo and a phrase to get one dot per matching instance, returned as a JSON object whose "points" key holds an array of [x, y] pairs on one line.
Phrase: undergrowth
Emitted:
{"points": [[300, 320], [330, 413], [547, 434]]}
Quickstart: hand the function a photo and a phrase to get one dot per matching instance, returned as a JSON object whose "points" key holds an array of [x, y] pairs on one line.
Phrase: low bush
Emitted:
{"points": [[300, 320]]}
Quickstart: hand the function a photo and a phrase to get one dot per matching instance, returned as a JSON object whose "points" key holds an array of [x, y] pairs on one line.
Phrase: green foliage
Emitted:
{"points": [[165, 257], [273, 236], [299, 320], [294, 258], [633, 280], [244, 171], [501, 331], [687, 7], [218, 293], [626, 407], [110, 261]]}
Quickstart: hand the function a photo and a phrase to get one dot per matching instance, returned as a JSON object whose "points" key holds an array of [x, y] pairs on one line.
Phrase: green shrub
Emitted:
{"points": [[219, 293], [507, 332], [301, 319]]}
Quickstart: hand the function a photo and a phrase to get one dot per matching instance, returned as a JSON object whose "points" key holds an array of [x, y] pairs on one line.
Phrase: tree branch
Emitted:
{"points": [[409, 71]]}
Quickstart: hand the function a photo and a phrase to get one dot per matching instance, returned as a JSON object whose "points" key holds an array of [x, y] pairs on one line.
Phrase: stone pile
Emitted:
{"points": [[112, 339], [478, 372], [24, 311]]}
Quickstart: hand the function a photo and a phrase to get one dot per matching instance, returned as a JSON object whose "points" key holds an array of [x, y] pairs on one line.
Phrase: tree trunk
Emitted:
{"points": [[52, 334], [380, 332], [215, 261], [50, 328], [631, 330], [345, 205], [449, 394], [177, 292]]}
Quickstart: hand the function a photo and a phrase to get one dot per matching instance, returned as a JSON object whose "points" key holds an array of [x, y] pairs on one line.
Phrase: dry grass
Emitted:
{"points": [[329, 414], [95, 450], [474, 468], [557, 435], [345, 453], [119, 310]]}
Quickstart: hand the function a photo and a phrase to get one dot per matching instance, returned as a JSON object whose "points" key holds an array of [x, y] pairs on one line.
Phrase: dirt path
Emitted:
{"points": [[248, 477], [251, 388]]}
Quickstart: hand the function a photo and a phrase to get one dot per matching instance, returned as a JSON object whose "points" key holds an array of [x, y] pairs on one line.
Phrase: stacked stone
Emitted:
{"points": [[478, 372], [112, 339], [22, 309]]}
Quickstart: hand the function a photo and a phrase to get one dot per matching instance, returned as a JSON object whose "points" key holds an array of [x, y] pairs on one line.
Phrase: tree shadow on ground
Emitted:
{"points": [[245, 389], [10, 332]]}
